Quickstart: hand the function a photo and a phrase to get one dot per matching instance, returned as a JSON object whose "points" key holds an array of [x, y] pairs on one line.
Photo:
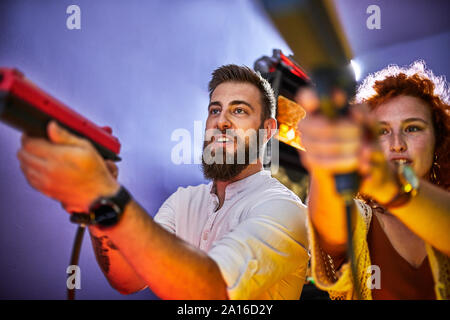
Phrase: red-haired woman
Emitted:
{"points": [[402, 229]]}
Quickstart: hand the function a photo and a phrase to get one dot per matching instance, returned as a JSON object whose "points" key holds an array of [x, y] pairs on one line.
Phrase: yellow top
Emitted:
{"points": [[339, 284]]}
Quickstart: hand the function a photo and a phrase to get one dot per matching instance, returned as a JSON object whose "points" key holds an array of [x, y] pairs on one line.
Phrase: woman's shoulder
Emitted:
{"points": [[364, 211]]}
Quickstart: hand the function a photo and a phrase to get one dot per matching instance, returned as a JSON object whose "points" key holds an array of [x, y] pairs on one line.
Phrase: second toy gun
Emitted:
{"points": [[286, 77]]}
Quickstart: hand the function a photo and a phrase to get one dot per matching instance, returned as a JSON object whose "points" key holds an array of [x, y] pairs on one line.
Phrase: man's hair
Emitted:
{"points": [[235, 73], [416, 81]]}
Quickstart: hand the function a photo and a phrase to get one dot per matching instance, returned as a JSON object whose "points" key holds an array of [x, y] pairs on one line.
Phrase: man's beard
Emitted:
{"points": [[225, 170]]}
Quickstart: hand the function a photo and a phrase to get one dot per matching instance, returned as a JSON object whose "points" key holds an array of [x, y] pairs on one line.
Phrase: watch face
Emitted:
{"points": [[106, 213]]}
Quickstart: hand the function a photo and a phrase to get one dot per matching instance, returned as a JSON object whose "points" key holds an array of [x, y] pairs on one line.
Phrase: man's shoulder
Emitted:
{"points": [[272, 189], [192, 191], [185, 196], [272, 201]]}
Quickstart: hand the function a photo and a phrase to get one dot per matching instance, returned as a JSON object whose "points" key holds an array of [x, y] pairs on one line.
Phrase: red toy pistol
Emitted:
{"points": [[28, 108]]}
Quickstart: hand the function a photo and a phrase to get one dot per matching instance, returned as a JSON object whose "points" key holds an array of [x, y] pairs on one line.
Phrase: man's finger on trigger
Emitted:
{"points": [[23, 138], [111, 163], [31, 160], [58, 134], [112, 167], [33, 177], [38, 147]]}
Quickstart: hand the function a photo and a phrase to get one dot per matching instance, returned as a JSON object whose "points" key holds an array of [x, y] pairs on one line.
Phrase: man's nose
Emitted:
{"points": [[223, 122], [398, 143]]}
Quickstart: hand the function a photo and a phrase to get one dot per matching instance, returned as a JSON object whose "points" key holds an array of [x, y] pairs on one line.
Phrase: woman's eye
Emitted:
{"points": [[413, 129]]}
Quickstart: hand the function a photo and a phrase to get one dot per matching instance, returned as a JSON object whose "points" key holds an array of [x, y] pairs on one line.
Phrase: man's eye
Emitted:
{"points": [[214, 111], [239, 110], [413, 129], [383, 131]]}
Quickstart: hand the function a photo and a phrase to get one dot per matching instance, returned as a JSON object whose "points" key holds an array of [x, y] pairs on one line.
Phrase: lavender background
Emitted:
{"points": [[142, 67], [410, 30]]}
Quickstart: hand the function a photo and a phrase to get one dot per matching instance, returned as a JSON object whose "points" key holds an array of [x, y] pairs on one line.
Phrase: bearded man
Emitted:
{"points": [[242, 236]]}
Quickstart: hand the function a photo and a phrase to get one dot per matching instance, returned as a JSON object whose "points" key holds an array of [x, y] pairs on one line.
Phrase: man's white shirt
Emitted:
{"points": [[257, 238]]}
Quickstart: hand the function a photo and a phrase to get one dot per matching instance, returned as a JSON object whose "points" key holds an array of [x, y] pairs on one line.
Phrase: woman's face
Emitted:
{"points": [[406, 132]]}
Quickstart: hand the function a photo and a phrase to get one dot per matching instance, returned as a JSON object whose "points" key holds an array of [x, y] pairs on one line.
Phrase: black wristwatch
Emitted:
{"points": [[105, 211]]}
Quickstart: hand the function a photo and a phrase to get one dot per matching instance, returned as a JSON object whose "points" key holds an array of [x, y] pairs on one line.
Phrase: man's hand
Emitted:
{"points": [[112, 167], [66, 168]]}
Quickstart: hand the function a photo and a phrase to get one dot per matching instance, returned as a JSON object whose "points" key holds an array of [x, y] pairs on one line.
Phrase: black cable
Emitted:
{"points": [[347, 185], [76, 255], [349, 206]]}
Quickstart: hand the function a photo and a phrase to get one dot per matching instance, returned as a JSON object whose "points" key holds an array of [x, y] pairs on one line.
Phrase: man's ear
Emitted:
{"points": [[270, 125]]}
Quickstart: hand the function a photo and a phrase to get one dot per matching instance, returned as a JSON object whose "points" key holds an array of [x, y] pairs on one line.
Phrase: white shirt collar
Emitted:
{"points": [[240, 185]]}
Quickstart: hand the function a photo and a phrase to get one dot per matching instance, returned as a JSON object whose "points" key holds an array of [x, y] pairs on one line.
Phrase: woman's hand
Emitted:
{"points": [[333, 146], [345, 145]]}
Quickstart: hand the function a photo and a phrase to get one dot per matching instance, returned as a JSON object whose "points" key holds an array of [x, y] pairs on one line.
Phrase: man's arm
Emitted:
{"points": [[116, 269], [171, 267]]}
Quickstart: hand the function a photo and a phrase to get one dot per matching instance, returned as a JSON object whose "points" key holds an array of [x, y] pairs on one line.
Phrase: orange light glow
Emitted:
{"points": [[288, 116]]}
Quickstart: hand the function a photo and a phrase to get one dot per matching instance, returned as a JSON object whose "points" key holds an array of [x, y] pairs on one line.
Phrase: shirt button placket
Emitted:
{"points": [[207, 228]]}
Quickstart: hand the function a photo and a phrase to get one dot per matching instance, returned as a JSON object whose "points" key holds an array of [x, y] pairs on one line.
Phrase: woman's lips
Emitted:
{"points": [[401, 160]]}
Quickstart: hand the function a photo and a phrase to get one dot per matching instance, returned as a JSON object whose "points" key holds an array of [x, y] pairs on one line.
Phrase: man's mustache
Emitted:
{"points": [[231, 135]]}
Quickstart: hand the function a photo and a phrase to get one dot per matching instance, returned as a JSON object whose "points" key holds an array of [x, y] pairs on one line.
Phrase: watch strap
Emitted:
{"points": [[120, 200]]}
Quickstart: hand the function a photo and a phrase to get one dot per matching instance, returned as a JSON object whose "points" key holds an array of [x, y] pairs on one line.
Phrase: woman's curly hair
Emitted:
{"points": [[416, 81]]}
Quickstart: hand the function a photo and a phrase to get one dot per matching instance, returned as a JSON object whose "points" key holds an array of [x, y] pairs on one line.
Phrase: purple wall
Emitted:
{"points": [[410, 30], [142, 68]]}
